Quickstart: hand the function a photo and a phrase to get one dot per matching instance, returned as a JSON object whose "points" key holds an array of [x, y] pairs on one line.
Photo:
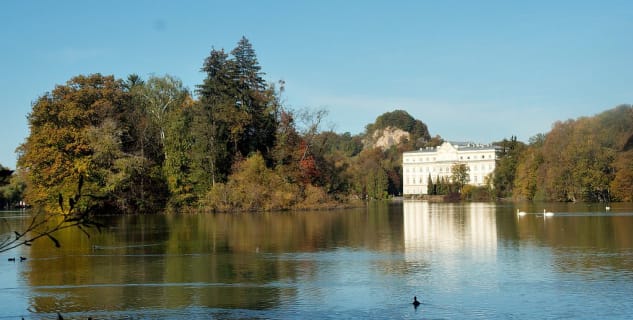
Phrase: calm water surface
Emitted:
{"points": [[464, 261]]}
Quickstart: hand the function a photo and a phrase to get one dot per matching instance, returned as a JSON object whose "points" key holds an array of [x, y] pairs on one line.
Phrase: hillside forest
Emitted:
{"points": [[152, 145]]}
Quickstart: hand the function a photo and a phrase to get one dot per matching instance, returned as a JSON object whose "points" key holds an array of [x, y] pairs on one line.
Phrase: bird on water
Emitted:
{"points": [[416, 303]]}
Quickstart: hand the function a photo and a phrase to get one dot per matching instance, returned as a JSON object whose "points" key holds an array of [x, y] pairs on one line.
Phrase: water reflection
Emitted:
{"points": [[226, 261], [447, 238], [470, 260], [450, 228]]}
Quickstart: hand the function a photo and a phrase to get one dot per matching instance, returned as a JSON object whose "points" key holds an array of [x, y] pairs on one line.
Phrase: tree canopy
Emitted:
{"points": [[402, 120], [586, 159], [146, 145]]}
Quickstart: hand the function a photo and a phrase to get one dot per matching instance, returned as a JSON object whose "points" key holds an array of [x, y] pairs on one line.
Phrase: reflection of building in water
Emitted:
{"points": [[446, 228]]}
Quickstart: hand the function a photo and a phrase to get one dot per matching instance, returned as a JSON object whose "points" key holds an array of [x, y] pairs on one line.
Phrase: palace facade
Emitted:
{"points": [[436, 162]]}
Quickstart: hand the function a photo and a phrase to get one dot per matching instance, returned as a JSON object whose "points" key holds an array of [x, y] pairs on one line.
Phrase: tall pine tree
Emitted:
{"points": [[236, 116], [256, 98]]}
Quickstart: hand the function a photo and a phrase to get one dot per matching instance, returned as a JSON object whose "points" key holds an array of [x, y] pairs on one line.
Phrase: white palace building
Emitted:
{"points": [[437, 162]]}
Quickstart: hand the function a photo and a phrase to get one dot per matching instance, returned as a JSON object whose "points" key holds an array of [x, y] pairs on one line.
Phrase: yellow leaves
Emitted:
{"points": [[254, 187], [622, 184], [578, 158], [58, 148]]}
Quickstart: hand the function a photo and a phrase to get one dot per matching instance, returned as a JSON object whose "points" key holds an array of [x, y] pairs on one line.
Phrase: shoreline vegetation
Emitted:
{"points": [[152, 145]]}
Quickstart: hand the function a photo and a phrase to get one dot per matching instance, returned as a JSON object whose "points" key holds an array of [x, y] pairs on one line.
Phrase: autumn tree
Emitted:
{"points": [[622, 185], [578, 160], [368, 179], [58, 149], [528, 171], [253, 187], [460, 175], [236, 115]]}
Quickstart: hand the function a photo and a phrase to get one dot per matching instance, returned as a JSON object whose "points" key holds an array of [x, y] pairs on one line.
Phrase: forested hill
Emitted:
{"points": [[144, 145], [586, 159], [396, 127]]}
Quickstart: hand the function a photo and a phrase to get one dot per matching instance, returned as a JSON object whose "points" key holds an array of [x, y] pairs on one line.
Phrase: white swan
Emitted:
{"points": [[547, 213], [520, 213], [607, 208]]}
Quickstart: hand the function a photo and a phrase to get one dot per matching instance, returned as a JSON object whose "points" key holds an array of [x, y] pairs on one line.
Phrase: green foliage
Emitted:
{"points": [[579, 160], [5, 175], [58, 149], [162, 160], [253, 187], [390, 161], [73, 212], [344, 144], [161, 97], [508, 156], [178, 155], [143, 145], [402, 120], [460, 175], [235, 117], [369, 180], [115, 133], [442, 187], [12, 187], [473, 193]]}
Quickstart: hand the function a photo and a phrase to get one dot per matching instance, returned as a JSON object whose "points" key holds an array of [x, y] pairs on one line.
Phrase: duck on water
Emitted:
{"points": [[415, 303]]}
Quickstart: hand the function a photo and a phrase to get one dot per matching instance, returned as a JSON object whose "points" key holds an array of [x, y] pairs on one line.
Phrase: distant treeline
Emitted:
{"points": [[143, 145], [587, 159], [146, 145]]}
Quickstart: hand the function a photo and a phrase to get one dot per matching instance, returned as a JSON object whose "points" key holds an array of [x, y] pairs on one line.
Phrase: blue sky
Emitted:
{"points": [[471, 70]]}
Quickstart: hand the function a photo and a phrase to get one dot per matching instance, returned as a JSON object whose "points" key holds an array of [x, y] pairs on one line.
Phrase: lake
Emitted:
{"points": [[463, 261]]}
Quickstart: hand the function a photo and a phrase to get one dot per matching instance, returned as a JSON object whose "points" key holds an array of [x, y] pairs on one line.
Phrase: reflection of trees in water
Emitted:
{"points": [[209, 260], [582, 236], [590, 244]]}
